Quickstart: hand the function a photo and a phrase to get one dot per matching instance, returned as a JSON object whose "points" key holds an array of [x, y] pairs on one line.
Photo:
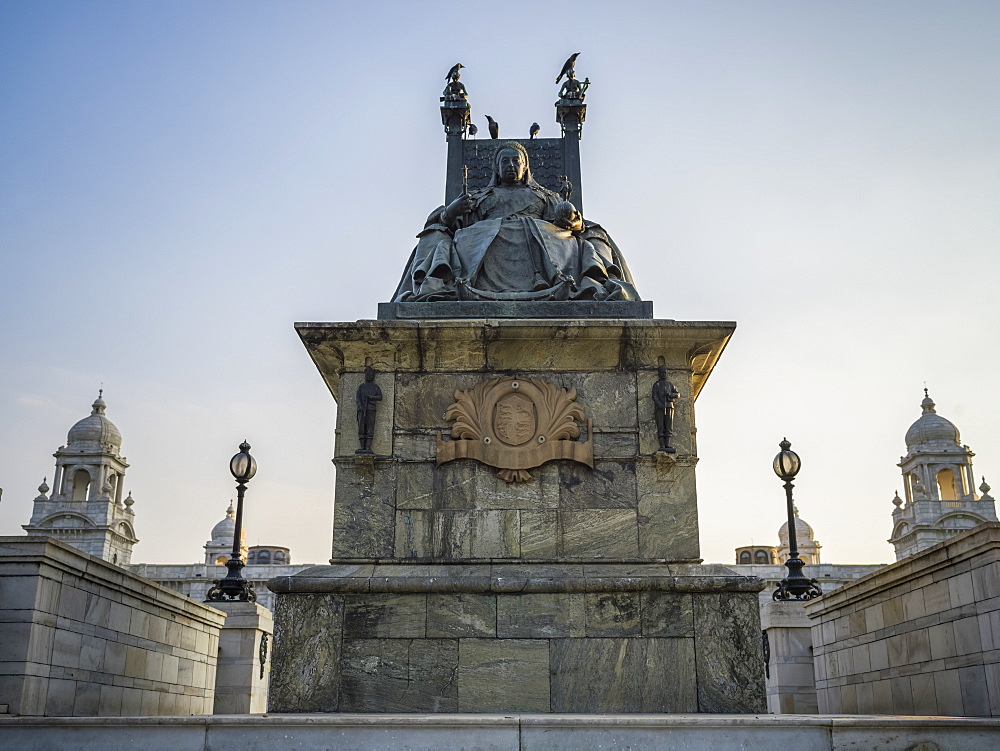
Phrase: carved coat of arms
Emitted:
{"points": [[515, 424]]}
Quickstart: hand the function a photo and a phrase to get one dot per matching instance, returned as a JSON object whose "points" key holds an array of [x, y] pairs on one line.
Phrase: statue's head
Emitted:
{"points": [[369, 373], [510, 165], [663, 372]]}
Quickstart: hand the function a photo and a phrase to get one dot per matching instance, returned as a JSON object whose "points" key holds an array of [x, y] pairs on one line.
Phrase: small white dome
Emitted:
{"points": [[222, 533], [95, 428], [803, 532], [931, 428]]}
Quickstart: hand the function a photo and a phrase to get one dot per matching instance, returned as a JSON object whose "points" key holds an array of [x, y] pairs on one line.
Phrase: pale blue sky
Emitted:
{"points": [[180, 182]]}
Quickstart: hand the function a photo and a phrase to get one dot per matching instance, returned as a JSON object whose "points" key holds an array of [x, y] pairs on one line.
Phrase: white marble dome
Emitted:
{"points": [[803, 532], [932, 429], [222, 533], [95, 428]]}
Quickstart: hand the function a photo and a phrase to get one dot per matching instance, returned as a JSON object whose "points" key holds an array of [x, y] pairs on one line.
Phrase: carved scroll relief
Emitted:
{"points": [[515, 424]]}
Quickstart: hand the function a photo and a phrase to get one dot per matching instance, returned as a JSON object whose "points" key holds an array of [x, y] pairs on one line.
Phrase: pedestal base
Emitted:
{"points": [[241, 676], [507, 637], [517, 544]]}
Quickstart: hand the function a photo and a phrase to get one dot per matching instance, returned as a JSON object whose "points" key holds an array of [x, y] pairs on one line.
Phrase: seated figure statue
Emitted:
{"points": [[513, 240]]}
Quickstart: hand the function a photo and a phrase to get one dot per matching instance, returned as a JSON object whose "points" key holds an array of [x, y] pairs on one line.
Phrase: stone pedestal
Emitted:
{"points": [[791, 684], [574, 589], [244, 664]]}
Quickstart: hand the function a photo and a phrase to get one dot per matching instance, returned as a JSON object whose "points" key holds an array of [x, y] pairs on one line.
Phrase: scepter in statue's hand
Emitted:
{"points": [[454, 211], [465, 192]]}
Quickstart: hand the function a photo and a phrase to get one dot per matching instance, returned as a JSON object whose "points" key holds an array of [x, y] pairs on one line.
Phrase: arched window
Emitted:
{"points": [[81, 485], [745, 557], [761, 557], [946, 484], [263, 557], [279, 556], [251, 557]]}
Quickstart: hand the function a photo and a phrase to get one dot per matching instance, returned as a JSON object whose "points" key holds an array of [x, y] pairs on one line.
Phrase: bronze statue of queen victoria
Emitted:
{"points": [[513, 240]]}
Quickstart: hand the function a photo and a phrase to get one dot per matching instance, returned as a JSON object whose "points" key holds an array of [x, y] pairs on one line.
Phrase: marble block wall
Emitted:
{"points": [[81, 637], [565, 638], [918, 637]]}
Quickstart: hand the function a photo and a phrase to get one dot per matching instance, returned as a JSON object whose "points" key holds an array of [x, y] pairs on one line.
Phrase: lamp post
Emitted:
{"points": [[795, 586], [233, 586]]}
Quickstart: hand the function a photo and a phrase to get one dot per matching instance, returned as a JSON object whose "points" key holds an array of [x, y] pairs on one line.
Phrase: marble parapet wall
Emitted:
{"points": [[921, 636], [80, 636]]}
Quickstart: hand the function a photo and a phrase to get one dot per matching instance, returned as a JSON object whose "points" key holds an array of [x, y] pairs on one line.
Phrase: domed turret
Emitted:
{"points": [[803, 532], [224, 530], [940, 497], [85, 508], [931, 429], [220, 547], [95, 428], [805, 540]]}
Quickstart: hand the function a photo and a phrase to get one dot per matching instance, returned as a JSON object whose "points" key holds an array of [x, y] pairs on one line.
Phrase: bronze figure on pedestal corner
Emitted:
{"points": [[366, 399], [664, 396]]}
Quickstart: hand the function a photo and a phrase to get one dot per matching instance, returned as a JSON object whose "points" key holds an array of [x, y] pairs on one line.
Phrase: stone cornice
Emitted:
{"points": [[513, 578], [516, 346]]}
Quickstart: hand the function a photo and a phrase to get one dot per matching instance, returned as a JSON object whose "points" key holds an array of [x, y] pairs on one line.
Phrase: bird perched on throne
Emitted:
{"points": [[454, 91]]}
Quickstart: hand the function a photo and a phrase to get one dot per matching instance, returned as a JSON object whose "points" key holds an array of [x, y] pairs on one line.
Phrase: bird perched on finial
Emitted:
{"points": [[567, 66], [453, 73], [494, 128], [473, 129], [535, 127]]}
